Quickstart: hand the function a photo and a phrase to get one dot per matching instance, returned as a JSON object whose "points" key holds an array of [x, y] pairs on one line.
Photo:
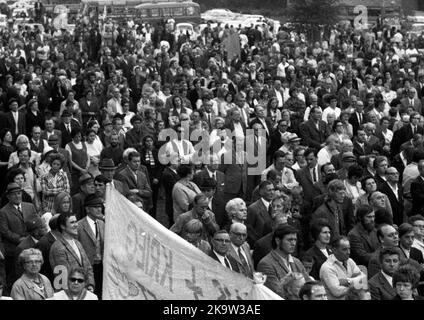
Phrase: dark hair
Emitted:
{"points": [[406, 273], [281, 232], [317, 226], [75, 131], [79, 270], [306, 289], [362, 211], [309, 151], [355, 171], [382, 216], [184, 170], [13, 172], [19, 151], [325, 165], [61, 220], [278, 154], [132, 155], [389, 251], [415, 218], [364, 180], [101, 178], [3, 133], [265, 183], [199, 197], [57, 156], [405, 228]]}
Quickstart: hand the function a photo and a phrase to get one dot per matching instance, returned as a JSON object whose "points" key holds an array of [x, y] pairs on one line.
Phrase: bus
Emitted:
{"points": [[147, 11], [185, 11]]}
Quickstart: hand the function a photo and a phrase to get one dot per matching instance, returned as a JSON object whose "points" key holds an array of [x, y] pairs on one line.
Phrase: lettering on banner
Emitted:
{"points": [[225, 292], [191, 284], [150, 255]]}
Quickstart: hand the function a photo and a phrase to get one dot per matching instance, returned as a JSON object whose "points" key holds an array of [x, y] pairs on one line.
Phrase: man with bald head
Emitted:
{"points": [[240, 249], [394, 192]]}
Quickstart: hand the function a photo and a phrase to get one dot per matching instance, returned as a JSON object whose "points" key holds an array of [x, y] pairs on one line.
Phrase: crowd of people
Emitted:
{"points": [[340, 200]]}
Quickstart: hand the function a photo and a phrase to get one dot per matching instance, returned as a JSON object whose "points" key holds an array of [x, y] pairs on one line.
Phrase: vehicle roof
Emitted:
{"points": [[167, 4]]}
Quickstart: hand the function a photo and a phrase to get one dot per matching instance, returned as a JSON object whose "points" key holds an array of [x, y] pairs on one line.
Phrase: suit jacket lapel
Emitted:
{"points": [[16, 212], [87, 228], [30, 285], [280, 261], [71, 250]]}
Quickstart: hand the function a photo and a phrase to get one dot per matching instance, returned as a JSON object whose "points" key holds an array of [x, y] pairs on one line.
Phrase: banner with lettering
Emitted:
{"points": [[143, 260]]}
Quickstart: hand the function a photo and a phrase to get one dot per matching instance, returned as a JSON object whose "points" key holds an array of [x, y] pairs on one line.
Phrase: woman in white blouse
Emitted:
{"points": [[352, 183], [94, 148]]}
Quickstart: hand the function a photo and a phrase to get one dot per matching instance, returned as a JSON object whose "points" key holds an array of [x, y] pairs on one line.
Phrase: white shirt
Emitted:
{"points": [[279, 98], [266, 203], [74, 247], [92, 224], [388, 278], [16, 117], [329, 110], [394, 189], [222, 259], [238, 130], [417, 244]]}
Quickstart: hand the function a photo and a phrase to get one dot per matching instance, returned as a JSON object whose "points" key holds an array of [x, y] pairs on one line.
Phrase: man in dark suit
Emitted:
{"points": [[91, 234], [360, 145], [67, 125], [357, 118], [258, 217], [393, 190], [406, 239], [49, 131], [240, 249], [308, 176], [346, 92], [108, 169], [210, 171], [45, 244], [36, 229], [262, 120], [276, 141], [13, 217], [137, 182], [168, 180], [406, 133], [314, 132], [380, 286], [14, 120], [235, 121], [417, 191], [235, 170], [275, 265], [36, 143], [86, 182], [216, 203], [221, 243], [411, 101], [340, 219], [363, 237]]}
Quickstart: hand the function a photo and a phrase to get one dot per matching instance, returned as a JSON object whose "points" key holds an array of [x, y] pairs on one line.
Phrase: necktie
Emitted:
{"points": [[20, 212], [415, 129], [68, 126], [345, 264], [243, 261], [314, 173], [96, 227], [214, 176], [227, 263], [360, 117], [337, 220]]}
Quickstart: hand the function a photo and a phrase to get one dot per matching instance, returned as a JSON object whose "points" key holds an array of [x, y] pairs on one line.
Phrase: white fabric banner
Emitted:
{"points": [[143, 260]]}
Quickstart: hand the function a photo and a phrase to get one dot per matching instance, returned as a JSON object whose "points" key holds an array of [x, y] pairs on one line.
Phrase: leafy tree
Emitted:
{"points": [[310, 16]]}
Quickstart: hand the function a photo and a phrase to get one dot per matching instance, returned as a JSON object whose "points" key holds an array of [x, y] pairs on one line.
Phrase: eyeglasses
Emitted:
{"points": [[223, 240], [79, 280], [33, 262]]}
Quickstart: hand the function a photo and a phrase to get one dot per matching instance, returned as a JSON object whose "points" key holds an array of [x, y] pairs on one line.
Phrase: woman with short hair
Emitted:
{"points": [[192, 232], [77, 281], [405, 281], [32, 285]]}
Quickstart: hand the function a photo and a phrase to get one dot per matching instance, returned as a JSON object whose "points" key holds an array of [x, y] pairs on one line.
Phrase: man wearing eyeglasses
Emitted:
{"points": [[221, 243], [240, 249]]}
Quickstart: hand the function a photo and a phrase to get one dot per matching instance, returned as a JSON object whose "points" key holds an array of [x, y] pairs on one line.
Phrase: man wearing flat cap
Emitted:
{"points": [[86, 183], [12, 226], [91, 234], [108, 169], [36, 229]]}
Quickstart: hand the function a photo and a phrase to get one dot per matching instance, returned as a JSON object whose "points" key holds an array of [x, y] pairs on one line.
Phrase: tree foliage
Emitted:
{"points": [[313, 12]]}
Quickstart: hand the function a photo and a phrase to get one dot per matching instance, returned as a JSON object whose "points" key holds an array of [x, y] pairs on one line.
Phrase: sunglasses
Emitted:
{"points": [[79, 280]]}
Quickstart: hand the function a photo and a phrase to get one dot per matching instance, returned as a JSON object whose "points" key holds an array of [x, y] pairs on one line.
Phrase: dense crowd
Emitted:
{"points": [[340, 200]]}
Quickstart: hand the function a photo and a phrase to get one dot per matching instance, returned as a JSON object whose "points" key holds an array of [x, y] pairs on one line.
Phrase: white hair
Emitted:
{"points": [[233, 204]]}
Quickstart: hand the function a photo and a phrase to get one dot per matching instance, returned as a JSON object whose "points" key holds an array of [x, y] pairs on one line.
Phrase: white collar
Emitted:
{"points": [[266, 203], [388, 278]]}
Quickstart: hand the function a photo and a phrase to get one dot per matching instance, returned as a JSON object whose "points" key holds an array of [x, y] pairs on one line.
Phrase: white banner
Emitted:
{"points": [[143, 260]]}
